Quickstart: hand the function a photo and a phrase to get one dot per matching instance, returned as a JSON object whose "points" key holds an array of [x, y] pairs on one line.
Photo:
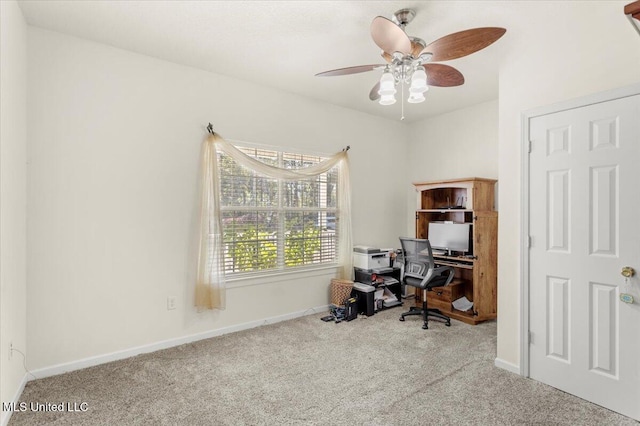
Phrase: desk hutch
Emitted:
{"points": [[469, 200]]}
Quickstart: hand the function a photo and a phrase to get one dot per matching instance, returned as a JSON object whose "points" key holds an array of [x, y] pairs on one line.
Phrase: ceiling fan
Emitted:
{"points": [[411, 61]]}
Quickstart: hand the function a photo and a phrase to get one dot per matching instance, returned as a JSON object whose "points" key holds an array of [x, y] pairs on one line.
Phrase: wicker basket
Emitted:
{"points": [[340, 291]]}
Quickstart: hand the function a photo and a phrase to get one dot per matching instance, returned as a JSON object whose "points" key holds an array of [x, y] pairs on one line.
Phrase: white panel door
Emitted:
{"points": [[585, 227]]}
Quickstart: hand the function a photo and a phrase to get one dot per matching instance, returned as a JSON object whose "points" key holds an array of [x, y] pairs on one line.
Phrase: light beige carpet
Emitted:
{"points": [[370, 371]]}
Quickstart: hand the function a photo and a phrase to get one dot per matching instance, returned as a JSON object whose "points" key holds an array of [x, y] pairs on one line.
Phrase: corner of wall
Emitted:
{"points": [[13, 159]]}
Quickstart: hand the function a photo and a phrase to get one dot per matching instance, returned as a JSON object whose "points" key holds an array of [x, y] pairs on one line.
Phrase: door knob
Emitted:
{"points": [[628, 272]]}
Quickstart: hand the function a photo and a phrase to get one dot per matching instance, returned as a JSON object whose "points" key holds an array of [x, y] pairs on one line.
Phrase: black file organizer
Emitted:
{"points": [[365, 276]]}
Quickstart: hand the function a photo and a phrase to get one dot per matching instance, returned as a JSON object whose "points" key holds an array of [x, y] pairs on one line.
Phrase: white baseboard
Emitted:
{"points": [[165, 344], [5, 416], [500, 363]]}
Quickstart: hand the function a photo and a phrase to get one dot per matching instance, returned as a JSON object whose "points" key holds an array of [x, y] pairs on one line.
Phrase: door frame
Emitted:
{"points": [[525, 119]]}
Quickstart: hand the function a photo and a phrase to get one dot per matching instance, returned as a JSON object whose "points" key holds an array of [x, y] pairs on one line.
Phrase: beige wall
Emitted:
{"points": [[13, 164], [584, 48], [114, 145], [462, 143]]}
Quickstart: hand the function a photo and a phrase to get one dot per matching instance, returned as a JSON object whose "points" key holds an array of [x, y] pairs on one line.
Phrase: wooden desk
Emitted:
{"points": [[470, 201]]}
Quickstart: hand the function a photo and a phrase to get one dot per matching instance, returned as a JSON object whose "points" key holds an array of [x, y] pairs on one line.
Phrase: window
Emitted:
{"points": [[271, 224]]}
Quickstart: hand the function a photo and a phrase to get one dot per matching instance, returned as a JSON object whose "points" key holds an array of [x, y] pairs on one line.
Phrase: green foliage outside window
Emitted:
{"points": [[301, 247], [254, 249]]}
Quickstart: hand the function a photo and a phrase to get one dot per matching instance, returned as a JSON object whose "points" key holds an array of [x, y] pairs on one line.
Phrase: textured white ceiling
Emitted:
{"points": [[282, 44]]}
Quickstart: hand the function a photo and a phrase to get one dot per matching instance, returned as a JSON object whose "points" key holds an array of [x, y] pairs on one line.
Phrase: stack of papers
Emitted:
{"points": [[462, 304], [389, 299], [390, 280]]}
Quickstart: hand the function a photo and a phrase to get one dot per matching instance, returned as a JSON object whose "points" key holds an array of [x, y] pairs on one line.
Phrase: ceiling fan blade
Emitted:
{"points": [[373, 94], [441, 75], [463, 43], [349, 70], [389, 37]]}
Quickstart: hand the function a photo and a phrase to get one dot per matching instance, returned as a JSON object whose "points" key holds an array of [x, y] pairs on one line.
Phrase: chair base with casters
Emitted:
{"points": [[426, 312]]}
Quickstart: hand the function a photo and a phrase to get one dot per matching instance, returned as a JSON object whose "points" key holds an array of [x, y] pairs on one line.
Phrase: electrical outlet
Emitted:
{"points": [[171, 303]]}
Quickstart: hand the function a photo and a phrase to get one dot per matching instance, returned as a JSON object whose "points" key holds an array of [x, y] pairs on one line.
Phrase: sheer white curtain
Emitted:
{"points": [[210, 285]]}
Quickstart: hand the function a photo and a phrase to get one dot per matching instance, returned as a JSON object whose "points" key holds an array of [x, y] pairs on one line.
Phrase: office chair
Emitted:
{"points": [[420, 272]]}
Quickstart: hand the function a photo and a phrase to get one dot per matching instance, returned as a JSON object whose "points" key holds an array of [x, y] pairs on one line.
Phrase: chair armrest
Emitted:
{"points": [[440, 269]]}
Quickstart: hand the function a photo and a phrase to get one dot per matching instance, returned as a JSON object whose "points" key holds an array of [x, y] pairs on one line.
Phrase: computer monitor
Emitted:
{"points": [[449, 237]]}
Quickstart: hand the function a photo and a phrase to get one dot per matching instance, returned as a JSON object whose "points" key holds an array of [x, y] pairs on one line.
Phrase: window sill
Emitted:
{"points": [[259, 278]]}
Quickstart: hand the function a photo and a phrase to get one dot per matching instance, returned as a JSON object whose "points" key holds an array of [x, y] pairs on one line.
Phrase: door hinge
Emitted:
{"points": [[530, 144], [530, 337], [529, 241], [416, 215]]}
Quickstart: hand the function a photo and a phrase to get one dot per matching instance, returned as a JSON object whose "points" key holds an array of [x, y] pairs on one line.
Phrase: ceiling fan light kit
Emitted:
{"points": [[403, 70], [409, 58]]}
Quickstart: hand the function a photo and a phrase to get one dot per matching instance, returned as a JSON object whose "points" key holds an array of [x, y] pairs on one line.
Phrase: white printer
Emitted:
{"points": [[370, 258]]}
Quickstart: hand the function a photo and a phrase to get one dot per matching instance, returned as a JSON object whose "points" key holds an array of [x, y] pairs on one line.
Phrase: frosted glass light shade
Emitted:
{"points": [[415, 98], [387, 100], [387, 84], [419, 81]]}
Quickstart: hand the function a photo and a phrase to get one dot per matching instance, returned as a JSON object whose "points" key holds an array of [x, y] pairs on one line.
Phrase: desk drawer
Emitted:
{"points": [[444, 307], [446, 294]]}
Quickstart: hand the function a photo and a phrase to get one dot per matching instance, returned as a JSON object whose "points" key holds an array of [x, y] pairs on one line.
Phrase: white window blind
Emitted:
{"points": [[275, 224]]}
